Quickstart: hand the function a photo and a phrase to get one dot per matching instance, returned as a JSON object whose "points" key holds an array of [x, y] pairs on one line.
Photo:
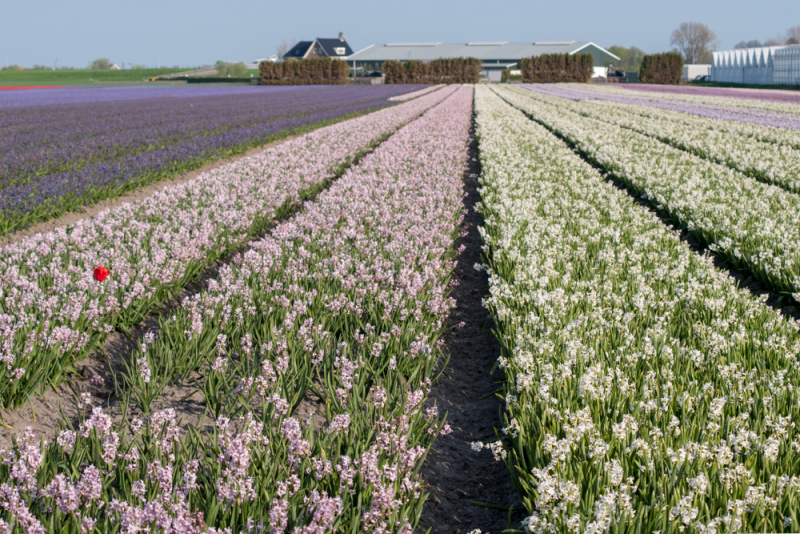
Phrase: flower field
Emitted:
{"points": [[645, 392], [62, 149], [277, 336], [751, 225], [57, 312]]}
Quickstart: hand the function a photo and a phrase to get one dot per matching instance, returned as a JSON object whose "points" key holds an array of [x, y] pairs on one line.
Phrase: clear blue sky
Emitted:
{"points": [[200, 32]]}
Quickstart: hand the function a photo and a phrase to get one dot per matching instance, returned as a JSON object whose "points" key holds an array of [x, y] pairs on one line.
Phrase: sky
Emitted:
{"points": [[200, 32]]}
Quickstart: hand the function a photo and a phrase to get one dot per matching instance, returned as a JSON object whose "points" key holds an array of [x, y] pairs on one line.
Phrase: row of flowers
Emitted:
{"points": [[415, 94], [752, 225], [764, 108], [645, 391], [58, 158], [768, 162], [314, 352], [692, 115], [52, 308]]}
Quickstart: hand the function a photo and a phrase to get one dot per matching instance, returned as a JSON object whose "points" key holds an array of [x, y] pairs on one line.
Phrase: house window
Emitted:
{"points": [[339, 51]]}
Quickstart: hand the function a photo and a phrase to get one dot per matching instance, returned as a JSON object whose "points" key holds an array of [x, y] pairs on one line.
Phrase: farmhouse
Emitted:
{"points": [[494, 55], [319, 47]]}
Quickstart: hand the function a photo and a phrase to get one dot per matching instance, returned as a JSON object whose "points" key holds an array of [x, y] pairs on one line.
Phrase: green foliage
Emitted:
{"points": [[663, 69], [230, 70], [557, 68], [102, 63], [448, 71], [629, 58], [315, 71]]}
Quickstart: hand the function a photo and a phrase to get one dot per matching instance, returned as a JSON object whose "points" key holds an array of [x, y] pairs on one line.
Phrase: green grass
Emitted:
{"points": [[78, 77]]}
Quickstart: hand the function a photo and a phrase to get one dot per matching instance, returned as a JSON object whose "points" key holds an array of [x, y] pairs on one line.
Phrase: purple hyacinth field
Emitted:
{"points": [[64, 148]]}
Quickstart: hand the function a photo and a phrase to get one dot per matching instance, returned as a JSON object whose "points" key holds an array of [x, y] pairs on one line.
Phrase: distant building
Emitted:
{"points": [[319, 47], [767, 65], [690, 72], [114, 67], [494, 55]]}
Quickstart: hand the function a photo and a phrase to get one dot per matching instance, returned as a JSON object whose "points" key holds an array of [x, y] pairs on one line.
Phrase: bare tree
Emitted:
{"points": [[778, 40], [284, 47], [695, 41], [793, 34]]}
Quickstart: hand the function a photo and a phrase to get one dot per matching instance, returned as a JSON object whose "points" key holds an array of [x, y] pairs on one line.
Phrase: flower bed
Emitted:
{"points": [[752, 225], [340, 308], [58, 158], [772, 121], [645, 391], [54, 311], [739, 148]]}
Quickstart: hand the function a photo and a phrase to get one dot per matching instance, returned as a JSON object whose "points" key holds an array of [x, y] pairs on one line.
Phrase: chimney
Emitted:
{"points": [[341, 36]]}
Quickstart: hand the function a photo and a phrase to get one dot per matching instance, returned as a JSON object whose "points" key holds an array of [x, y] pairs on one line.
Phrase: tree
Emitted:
{"points": [[754, 43], [237, 70], [100, 64], [136, 66], [284, 47], [793, 34], [695, 41], [778, 40], [232, 70], [629, 58]]}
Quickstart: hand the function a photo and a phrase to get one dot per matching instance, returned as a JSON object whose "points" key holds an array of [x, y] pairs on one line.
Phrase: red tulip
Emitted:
{"points": [[101, 273]]}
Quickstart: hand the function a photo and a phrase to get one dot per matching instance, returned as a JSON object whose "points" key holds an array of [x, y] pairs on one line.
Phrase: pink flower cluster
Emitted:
{"points": [[52, 307]]}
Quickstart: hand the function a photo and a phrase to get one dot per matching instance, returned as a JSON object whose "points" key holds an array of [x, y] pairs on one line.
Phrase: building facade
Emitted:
{"points": [[495, 56]]}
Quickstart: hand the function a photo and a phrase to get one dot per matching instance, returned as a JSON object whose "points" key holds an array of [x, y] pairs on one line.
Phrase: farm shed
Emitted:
{"points": [[494, 55], [320, 47]]}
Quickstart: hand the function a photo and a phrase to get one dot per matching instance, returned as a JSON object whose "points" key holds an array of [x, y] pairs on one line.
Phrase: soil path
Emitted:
{"points": [[455, 475]]}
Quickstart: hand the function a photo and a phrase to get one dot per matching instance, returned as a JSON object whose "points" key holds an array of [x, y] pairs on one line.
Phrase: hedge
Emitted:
{"points": [[315, 71], [557, 68], [663, 69], [454, 70]]}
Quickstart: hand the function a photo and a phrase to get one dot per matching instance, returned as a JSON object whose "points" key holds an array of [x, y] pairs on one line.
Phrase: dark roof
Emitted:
{"points": [[328, 46], [299, 50]]}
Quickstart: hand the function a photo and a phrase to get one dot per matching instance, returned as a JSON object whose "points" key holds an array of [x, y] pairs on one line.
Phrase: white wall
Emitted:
{"points": [[690, 72]]}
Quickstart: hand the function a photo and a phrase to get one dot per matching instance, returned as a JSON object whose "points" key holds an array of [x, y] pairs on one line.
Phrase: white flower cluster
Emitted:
{"points": [[649, 392], [764, 153], [753, 225]]}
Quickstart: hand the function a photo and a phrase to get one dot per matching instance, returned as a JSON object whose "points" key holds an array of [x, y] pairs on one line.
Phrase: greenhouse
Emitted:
{"points": [[787, 66], [769, 65]]}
